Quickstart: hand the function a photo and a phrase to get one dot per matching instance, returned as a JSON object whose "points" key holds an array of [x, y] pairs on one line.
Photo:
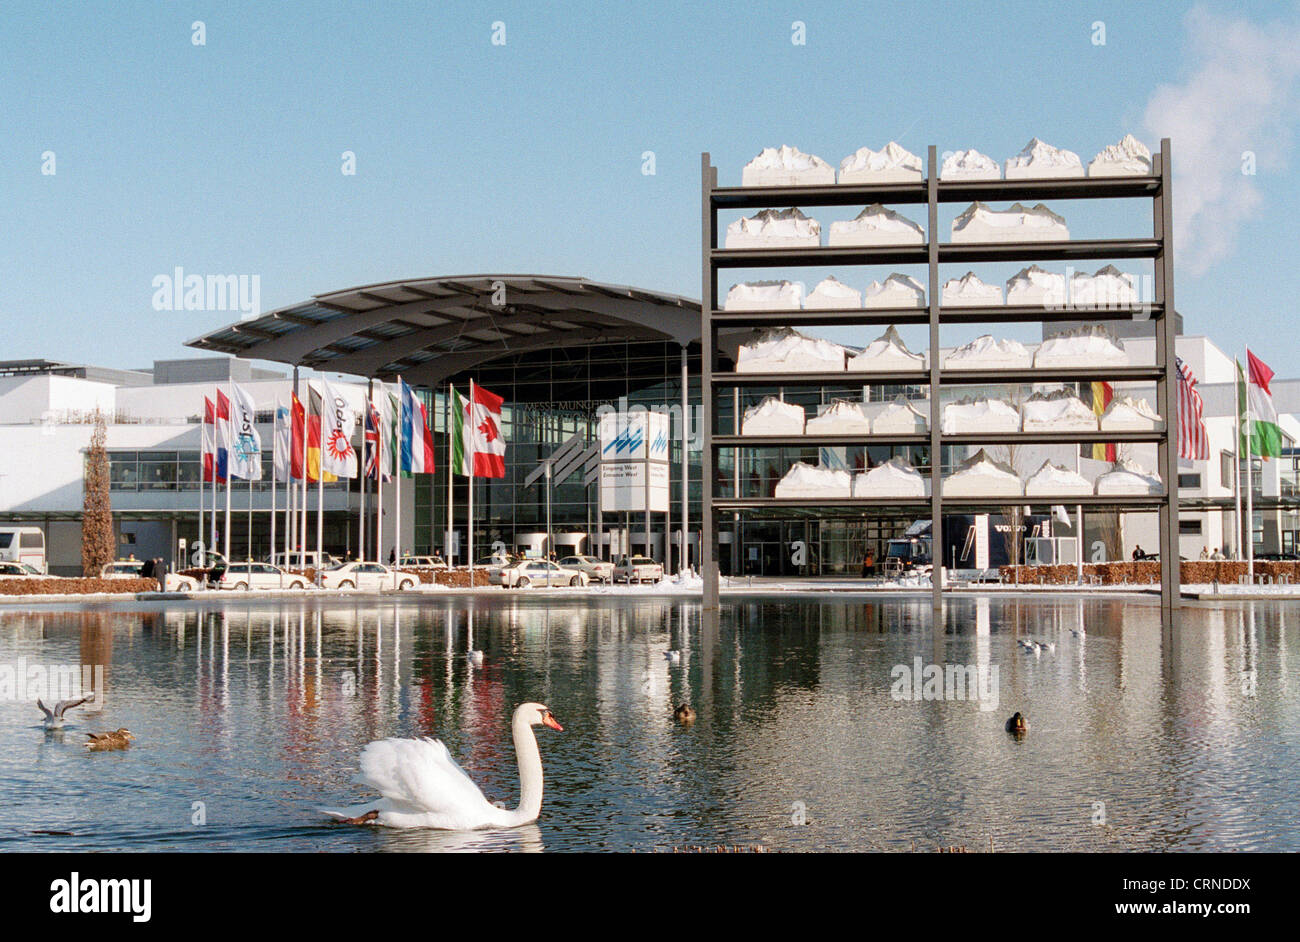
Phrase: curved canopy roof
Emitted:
{"points": [[432, 328]]}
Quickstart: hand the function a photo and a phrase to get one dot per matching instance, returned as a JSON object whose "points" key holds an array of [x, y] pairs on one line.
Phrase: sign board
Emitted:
{"points": [[630, 443], [623, 486], [630, 436]]}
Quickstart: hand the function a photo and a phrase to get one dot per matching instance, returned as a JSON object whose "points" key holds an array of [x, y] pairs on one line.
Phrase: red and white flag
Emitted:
{"points": [[1193, 442], [209, 441], [478, 441]]}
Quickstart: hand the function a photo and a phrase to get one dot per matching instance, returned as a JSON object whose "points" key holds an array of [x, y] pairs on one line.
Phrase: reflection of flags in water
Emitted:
{"points": [[1099, 394], [1193, 443]]}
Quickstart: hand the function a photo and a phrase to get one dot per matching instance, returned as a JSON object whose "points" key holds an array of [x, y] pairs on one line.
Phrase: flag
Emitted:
{"points": [[337, 423], [391, 414], [282, 443], [1265, 434], [478, 444], [223, 437], [1193, 442], [245, 442], [313, 438], [209, 440], [299, 431], [374, 445], [417, 444], [1101, 395]]}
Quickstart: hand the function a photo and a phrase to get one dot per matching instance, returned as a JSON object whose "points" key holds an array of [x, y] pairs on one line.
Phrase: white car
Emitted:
{"points": [[244, 576], [428, 563], [298, 559], [20, 571], [638, 569], [535, 572], [131, 569], [597, 570], [373, 577]]}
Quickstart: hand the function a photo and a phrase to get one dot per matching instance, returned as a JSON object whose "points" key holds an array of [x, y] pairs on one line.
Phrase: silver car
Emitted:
{"points": [[638, 569], [597, 570], [535, 572]]}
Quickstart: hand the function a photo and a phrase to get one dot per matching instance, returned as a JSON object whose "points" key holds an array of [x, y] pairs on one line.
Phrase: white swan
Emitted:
{"points": [[423, 787]]}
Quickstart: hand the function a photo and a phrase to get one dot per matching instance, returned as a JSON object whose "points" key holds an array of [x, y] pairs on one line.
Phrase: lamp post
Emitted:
{"points": [[549, 538]]}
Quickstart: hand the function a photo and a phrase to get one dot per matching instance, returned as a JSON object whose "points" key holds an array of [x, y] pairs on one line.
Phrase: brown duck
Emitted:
{"points": [[103, 742]]}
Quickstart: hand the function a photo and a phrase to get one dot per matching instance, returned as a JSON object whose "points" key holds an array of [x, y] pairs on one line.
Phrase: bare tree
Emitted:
{"points": [[97, 513]]}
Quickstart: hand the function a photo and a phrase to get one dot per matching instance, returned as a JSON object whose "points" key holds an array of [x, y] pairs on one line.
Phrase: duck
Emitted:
{"points": [[673, 657], [120, 738], [1049, 646], [422, 786], [54, 719], [1018, 724], [684, 714], [1079, 632]]}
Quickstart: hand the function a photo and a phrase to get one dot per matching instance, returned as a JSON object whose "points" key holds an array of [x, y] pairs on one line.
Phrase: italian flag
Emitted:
{"points": [[478, 444], [1265, 437]]}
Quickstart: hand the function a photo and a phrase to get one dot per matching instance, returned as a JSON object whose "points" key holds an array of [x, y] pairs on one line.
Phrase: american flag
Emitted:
{"points": [[1193, 443]]}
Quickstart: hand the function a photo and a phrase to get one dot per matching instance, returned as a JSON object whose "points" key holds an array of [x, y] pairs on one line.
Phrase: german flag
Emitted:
{"points": [[1099, 395], [313, 439]]}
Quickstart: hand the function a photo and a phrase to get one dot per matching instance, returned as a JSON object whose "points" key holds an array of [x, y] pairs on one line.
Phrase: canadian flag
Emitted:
{"points": [[478, 440]]}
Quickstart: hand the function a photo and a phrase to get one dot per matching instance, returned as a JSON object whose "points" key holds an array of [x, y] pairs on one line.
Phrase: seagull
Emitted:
{"points": [[674, 657], [476, 658], [54, 718]]}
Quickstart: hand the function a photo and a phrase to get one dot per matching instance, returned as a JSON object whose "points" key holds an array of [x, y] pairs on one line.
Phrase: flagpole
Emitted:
{"points": [[361, 468], [230, 408], [379, 481], [320, 481], [469, 522], [451, 469], [202, 465], [1250, 484], [397, 476], [1236, 464], [275, 428]]}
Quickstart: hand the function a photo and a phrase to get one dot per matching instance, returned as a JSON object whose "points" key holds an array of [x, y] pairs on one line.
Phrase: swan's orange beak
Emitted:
{"points": [[551, 721]]}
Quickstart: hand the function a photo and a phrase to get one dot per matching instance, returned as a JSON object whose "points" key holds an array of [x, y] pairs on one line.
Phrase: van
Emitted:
{"points": [[300, 560], [23, 545]]}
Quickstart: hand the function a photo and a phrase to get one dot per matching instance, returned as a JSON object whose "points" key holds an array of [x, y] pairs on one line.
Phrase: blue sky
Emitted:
{"points": [[471, 157]]}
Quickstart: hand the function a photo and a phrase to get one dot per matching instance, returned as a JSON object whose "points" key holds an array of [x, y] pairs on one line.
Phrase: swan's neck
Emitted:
{"points": [[530, 771]]}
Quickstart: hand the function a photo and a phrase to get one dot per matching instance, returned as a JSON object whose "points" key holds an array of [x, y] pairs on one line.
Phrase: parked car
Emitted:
{"points": [[370, 576], [535, 572], [300, 559], [131, 569], [597, 570], [20, 571], [422, 563], [638, 569], [258, 576]]}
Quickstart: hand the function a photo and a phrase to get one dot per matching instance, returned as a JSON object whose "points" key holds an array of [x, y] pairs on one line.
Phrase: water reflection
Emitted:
{"points": [[1141, 739]]}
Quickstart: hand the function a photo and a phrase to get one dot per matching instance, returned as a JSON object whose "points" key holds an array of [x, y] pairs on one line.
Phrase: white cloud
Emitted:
{"points": [[1240, 96]]}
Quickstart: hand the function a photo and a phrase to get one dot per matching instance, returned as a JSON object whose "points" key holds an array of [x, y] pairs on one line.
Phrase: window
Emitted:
{"points": [[1189, 480], [1189, 526], [1225, 468]]}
